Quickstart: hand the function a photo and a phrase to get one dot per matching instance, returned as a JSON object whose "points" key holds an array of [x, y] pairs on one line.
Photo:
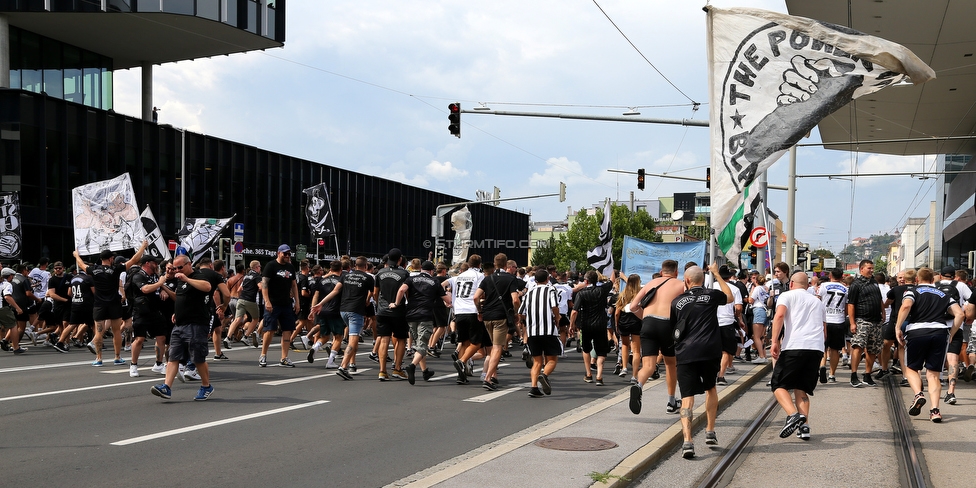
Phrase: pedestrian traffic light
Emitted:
{"points": [[640, 179], [454, 115], [708, 178]]}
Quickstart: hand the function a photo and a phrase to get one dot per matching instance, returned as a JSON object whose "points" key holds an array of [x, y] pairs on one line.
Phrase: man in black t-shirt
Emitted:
{"points": [[391, 321], [906, 281], [281, 304], [304, 280], [925, 338], [589, 316], [865, 313], [500, 293], [59, 292], [212, 271], [143, 293], [192, 316], [247, 306], [167, 305], [698, 349], [107, 310], [328, 319], [354, 290], [423, 293]]}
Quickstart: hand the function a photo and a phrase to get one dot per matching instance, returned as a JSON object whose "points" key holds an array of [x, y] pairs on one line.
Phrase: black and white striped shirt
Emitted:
{"points": [[537, 308]]}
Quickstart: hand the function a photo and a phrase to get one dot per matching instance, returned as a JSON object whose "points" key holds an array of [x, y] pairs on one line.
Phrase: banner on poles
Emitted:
{"points": [[105, 216], [11, 232]]}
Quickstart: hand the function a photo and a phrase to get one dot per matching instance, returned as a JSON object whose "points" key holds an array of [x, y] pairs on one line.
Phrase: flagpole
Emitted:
{"points": [[762, 251], [790, 256]]}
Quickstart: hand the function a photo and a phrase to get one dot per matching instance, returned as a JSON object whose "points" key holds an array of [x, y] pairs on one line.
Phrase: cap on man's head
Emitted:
{"points": [[428, 266], [284, 248], [948, 271], [7, 272], [146, 258], [395, 255], [106, 254], [755, 271]]}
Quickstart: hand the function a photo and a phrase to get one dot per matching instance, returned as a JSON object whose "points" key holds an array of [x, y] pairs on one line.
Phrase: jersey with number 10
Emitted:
{"points": [[463, 287], [834, 296]]}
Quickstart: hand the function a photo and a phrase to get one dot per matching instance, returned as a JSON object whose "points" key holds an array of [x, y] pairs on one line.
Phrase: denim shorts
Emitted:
{"points": [[354, 321], [759, 315]]}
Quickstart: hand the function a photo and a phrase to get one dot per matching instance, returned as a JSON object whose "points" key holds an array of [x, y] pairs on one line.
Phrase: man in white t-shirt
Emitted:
{"points": [[834, 297], [471, 333], [802, 319]]}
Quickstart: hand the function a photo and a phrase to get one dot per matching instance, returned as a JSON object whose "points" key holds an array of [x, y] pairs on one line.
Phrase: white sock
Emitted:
{"points": [[317, 346], [332, 356]]}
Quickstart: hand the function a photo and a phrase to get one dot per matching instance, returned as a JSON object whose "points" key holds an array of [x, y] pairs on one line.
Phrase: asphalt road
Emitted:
{"points": [[65, 420]]}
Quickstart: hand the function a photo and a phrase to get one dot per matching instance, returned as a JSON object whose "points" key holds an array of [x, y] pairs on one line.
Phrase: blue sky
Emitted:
{"points": [[365, 86]]}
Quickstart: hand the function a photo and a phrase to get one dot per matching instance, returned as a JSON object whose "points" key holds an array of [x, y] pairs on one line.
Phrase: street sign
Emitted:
{"points": [[238, 229], [180, 250], [301, 252], [172, 246], [759, 237], [830, 263], [238, 247]]}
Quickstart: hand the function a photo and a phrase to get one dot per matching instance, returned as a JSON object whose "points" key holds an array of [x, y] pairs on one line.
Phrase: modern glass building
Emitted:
{"points": [[57, 132]]}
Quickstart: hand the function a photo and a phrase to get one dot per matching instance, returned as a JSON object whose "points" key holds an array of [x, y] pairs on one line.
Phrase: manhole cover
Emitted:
{"points": [[575, 444]]}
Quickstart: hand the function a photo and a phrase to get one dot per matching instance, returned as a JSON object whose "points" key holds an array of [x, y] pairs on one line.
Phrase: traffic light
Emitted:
{"points": [[321, 242], [753, 257], [562, 191], [454, 115], [640, 179], [801, 254], [495, 195], [708, 178]]}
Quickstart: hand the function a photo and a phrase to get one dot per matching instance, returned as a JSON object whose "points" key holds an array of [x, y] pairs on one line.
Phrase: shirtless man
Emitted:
{"points": [[656, 333]]}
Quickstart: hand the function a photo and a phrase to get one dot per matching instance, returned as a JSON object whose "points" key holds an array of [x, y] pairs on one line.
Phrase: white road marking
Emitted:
{"points": [[207, 425], [44, 366], [496, 394], [306, 378], [74, 390], [454, 375]]}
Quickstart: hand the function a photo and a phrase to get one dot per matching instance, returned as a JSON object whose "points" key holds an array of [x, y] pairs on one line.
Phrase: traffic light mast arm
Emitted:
{"points": [[773, 187], [612, 118]]}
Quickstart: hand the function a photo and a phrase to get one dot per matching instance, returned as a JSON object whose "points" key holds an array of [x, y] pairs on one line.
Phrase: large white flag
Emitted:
{"points": [[773, 78], [105, 216], [601, 256], [197, 236], [150, 232]]}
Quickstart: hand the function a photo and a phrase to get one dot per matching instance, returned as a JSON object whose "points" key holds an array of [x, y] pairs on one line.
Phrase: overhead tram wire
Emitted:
{"points": [[642, 55]]}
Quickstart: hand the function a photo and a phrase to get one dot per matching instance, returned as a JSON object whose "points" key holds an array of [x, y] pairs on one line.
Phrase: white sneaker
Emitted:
{"points": [[305, 343], [730, 370], [331, 365], [623, 373], [191, 374], [133, 371], [159, 368], [759, 361]]}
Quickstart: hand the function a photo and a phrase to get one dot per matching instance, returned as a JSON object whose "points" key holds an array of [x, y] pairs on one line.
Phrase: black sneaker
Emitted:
{"points": [[792, 423], [868, 380], [459, 366], [855, 381], [917, 405], [721, 381], [803, 432], [823, 375], [61, 347], [535, 393], [950, 398], [656, 374], [673, 407], [489, 386], [454, 356], [710, 438], [547, 387], [617, 369], [506, 354], [428, 374], [636, 393], [374, 357], [5, 345], [882, 373], [20, 350], [342, 373], [935, 415], [411, 373], [599, 382], [311, 356], [527, 357]]}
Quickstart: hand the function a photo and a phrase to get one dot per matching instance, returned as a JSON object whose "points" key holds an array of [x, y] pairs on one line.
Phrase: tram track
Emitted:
{"points": [[911, 463]]}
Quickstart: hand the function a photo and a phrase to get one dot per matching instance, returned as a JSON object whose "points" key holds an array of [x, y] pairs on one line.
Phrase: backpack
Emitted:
{"points": [[127, 287]]}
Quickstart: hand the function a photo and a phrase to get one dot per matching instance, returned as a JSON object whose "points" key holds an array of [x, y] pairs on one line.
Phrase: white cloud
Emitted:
{"points": [[445, 171]]}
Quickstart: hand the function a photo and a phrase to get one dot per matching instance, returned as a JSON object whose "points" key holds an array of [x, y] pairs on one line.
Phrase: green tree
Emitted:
{"points": [[700, 230], [823, 253], [545, 253], [584, 234]]}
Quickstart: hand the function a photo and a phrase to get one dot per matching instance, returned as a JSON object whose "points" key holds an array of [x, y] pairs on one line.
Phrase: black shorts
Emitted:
{"points": [[656, 336], [926, 348], [955, 345], [370, 310], [545, 345], [563, 320], [730, 338], [107, 311], [147, 323], [62, 312], [82, 315], [629, 324], [470, 329], [387, 326], [797, 369], [595, 339], [46, 313], [32, 309], [126, 312], [441, 317], [697, 377], [836, 334], [888, 331], [23, 317]]}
